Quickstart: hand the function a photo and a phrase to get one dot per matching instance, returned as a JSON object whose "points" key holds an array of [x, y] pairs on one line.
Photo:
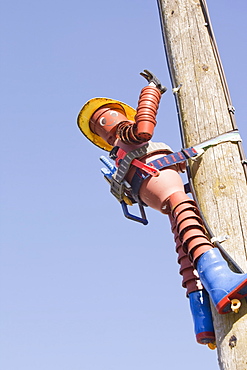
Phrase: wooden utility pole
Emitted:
{"points": [[219, 177]]}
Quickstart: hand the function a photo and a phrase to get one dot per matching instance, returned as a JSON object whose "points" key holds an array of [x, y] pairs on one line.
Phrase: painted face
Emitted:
{"points": [[105, 120]]}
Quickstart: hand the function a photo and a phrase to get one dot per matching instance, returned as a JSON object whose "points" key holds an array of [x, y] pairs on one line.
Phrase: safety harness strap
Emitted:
{"points": [[160, 163]]}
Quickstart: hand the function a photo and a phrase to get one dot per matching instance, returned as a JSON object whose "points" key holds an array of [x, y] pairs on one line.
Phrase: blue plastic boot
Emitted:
{"points": [[202, 317], [221, 283]]}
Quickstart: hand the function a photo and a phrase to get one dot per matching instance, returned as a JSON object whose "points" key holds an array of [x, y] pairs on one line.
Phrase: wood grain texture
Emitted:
{"points": [[218, 177]]}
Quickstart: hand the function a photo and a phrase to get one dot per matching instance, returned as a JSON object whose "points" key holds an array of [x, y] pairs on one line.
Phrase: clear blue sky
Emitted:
{"points": [[83, 288]]}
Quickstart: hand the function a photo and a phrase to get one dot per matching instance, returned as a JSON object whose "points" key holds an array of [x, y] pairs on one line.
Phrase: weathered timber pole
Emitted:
{"points": [[219, 178]]}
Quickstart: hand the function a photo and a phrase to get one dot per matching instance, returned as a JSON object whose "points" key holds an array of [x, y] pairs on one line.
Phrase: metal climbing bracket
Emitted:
{"points": [[231, 136], [219, 239]]}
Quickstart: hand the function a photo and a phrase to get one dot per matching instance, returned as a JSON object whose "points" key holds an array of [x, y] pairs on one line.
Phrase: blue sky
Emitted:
{"points": [[83, 288]]}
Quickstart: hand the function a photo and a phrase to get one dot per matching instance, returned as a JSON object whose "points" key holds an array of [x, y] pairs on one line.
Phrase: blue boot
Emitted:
{"points": [[221, 283], [202, 317]]}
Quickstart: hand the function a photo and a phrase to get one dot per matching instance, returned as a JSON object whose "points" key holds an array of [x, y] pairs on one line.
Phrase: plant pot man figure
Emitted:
{"points": [[152, 174]]}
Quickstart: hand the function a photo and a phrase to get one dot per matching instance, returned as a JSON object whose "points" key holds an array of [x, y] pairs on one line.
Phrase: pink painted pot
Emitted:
{"points": [[185, 264], [195, 241], [177, 199], [199, 251], [187, 215], [190, 224], [191, 281], [155, 191]]}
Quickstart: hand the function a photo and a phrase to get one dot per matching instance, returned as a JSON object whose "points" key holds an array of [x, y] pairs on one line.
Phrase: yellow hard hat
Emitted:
{"points": [[88, 110]]}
